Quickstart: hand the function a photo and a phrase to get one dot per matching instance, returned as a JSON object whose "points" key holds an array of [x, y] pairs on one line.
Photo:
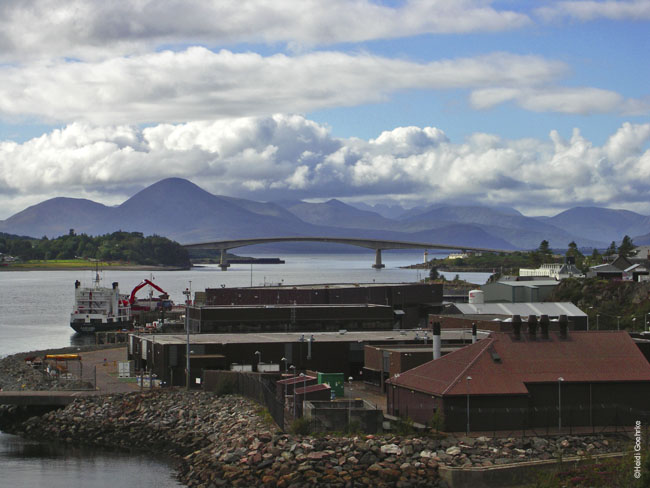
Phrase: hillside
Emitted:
{"points": [[607, 299], [182, 211]]}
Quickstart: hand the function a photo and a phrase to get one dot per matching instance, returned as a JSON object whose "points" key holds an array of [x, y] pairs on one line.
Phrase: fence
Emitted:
{"points": [[535, 421], [251, 385], [70, 373]]}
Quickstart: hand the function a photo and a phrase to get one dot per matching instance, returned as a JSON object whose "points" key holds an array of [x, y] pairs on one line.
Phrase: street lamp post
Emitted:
{"points": [[350, 402], [633, 323], [559, 403], [188, 301], [590, 308], [618, 322], [259, 359], [597, 315], [293, 371], [469, 378], [302, 375], [284, 398]]}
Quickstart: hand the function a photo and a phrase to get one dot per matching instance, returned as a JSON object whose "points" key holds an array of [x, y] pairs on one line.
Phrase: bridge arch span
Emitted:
{"points": [[377, 244]]}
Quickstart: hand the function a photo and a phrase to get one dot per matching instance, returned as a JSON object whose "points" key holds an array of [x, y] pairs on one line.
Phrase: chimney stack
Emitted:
{"points": [[436, 340], [516, 326], [564, 326], [544, 323], [532, 326], [474, 334]]}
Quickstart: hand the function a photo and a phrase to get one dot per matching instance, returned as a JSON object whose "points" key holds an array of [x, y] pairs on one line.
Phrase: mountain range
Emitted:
{"points": [[182, 211]]}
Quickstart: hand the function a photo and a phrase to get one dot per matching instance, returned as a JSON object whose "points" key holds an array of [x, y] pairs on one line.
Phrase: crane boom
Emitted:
{"points": [[142, 285]]}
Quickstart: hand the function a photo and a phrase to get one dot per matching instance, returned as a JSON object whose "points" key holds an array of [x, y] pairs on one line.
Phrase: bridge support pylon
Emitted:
{"points": [[223, 262], [378, 264]]}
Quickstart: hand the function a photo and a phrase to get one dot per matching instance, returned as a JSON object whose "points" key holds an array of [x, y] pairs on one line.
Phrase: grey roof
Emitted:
{"points": [[552, 309], [605, 268], [290, 337], [529, 284]]}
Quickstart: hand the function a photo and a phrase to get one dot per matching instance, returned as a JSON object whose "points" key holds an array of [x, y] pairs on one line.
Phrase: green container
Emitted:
{"points": [[335, 380]]}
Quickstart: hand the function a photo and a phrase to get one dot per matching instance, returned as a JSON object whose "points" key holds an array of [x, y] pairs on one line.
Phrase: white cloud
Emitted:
{"points": [[88, 29], [591, 10], [200, 84], [288, 156], [580, 100]]}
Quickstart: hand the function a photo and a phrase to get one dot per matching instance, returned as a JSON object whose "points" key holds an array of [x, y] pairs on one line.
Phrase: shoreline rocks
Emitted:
{"points": [[224, 441]]}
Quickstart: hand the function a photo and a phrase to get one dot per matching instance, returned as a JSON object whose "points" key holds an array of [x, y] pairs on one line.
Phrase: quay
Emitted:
{"points": [[42, 398], [99, 369]]}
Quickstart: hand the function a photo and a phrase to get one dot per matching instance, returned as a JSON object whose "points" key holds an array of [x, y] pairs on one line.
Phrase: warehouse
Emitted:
{"points": [[578, 320], [329, 352], [411, 301], [287, 318], [525, 380]]}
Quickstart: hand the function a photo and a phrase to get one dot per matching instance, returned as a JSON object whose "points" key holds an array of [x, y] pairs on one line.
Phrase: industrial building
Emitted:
{"points": [[330, 352], [410, 301], [529, 379], [518, 291], [503, 311], [291, 318], [383, 361]]}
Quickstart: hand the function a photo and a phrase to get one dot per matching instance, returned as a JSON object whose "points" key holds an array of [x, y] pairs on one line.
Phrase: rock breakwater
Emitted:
{"points": [[224, 441]]}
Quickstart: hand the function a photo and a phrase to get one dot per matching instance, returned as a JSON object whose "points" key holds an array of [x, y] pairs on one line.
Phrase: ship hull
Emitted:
{"points": [[82, 327]]}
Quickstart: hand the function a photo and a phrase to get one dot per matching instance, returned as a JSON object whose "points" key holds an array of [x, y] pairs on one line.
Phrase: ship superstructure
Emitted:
{"points": [[99, 308]]}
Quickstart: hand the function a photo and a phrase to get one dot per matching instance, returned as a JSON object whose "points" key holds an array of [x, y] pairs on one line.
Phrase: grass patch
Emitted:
{"points": [[65, 263]]}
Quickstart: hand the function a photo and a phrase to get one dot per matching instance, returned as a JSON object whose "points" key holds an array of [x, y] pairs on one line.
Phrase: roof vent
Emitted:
{"points": [[532, 326], [495, 356], [516, 326], [564, 325], [543, 326]]}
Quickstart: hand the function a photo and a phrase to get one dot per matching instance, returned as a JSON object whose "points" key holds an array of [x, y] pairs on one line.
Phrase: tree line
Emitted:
{"points": [[543, 253], [132, 247], [505, 263]]}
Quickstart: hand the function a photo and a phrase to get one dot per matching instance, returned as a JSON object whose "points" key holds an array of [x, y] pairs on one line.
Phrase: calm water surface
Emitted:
{"points": [[35, 309]]}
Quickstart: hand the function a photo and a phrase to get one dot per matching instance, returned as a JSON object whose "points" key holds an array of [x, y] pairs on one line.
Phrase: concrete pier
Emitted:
{"points": [[223, 262], [378, 264]]}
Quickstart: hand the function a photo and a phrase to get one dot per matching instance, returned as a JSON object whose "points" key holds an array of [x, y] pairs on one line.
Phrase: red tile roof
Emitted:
{"points": [[500, 364]]}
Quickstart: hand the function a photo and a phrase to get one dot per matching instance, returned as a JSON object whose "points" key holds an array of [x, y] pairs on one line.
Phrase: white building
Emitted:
{"points": [[556, 271]]}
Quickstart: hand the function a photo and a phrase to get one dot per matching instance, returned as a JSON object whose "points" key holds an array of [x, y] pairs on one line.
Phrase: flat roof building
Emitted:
{"points": [[504, 311], [518, 291], [411, 301], [329, 352]]}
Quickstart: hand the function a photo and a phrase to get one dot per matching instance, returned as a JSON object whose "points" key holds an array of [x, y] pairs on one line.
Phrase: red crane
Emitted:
{"points": [[163, 297]]}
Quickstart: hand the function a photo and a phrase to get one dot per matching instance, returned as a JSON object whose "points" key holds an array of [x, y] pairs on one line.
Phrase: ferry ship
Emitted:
{"points": [[98, 308]]}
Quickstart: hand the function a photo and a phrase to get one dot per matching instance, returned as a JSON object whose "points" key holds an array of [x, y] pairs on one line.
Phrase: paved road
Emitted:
{"points": [[104, 362]]}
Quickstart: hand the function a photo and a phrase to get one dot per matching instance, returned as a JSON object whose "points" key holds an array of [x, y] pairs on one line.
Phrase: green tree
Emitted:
{"points": [[574, 252], [433, 274], [544, 248], [611, 250], [626, 247]]}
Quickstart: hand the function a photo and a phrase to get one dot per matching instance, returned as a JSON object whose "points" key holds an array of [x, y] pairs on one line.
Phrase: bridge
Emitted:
{"points": [[377, 244]]}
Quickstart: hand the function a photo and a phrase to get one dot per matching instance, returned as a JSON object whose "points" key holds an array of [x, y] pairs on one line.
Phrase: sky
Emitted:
{"points": [[540, 106]]}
